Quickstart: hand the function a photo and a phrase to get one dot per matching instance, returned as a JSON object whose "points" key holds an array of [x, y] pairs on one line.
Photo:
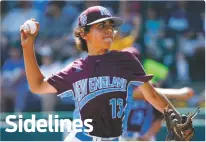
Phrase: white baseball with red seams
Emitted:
{"points": [[30, 26]]}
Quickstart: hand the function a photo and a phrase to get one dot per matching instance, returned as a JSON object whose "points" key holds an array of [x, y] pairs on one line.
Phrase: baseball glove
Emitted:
{"points": [[180, 128]]}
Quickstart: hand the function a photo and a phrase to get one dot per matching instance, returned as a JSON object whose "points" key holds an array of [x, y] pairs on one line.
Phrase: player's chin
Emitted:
{"points": [[107, 45]]}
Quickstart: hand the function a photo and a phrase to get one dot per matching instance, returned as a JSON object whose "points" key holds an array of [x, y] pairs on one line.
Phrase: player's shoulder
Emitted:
{"points": [[123, 54], [133, 51], [78, 62], [75, 66]]}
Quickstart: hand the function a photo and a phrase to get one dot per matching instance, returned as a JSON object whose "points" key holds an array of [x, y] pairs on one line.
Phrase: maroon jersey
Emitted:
{"points": [[100, 87]]}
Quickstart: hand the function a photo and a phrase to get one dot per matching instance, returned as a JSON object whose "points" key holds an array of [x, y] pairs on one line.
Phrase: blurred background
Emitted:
{"points": [[168, 33]]}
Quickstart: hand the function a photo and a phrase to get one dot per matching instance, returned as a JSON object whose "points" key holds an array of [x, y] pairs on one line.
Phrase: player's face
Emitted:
{"points": [[101, 35]]}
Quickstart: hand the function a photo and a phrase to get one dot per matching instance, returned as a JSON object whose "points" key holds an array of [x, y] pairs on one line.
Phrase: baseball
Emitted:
{"points": [[30, 26]]}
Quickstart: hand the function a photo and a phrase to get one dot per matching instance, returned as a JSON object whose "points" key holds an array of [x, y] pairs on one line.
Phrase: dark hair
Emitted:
{"points": [[81, 44]]}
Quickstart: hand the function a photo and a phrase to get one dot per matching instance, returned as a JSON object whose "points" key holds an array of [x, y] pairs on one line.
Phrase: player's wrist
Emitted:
{"points": [[28, 48]]}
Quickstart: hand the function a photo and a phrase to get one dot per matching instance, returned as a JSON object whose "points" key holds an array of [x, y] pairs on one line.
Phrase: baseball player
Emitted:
{"points": [[100, 83]]}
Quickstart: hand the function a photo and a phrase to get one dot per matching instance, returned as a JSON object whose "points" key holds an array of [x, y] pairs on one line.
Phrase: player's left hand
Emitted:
{"points": [[179, 128]]}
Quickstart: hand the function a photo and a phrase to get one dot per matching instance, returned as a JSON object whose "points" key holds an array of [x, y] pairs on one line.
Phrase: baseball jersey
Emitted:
{"points": [[100, 86]]}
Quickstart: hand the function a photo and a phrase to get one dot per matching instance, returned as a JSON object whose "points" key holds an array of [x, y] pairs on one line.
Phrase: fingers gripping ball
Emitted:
{"points": [[180, 128], [29, 26]]}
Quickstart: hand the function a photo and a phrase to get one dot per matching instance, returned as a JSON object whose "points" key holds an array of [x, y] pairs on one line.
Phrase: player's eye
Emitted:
{"points": [[104, 25], [101, 25]]}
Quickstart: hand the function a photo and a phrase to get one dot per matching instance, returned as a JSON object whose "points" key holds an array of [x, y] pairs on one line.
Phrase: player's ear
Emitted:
{"points": [[83, 34]]}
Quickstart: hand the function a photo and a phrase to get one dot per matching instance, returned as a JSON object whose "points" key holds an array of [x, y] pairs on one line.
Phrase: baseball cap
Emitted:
{"points": [[97, 14]]}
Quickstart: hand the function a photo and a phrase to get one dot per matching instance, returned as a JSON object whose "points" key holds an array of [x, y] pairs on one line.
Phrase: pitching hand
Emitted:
{"points": [[27, 39]]}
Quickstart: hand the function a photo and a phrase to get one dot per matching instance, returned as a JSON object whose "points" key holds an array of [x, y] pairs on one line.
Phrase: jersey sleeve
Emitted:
{"points": [[61, 81], [138, 73]]}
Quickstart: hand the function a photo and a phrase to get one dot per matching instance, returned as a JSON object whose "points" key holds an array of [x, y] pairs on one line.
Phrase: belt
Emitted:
{"points": [[86, 137]]}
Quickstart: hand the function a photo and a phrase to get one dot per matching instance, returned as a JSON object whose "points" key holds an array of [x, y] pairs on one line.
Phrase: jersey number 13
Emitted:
{"points": [[116, 103]]}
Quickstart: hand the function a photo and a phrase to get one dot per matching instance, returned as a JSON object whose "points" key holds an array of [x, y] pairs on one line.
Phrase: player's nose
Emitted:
{"points": [[109, 30]]}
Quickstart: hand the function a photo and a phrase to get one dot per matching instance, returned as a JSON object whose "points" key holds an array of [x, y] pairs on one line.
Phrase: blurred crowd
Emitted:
{"points": [[169, 32]]}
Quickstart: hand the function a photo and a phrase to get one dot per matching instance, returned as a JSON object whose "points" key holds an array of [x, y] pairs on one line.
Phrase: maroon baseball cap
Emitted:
{"points": [[96, 14]]}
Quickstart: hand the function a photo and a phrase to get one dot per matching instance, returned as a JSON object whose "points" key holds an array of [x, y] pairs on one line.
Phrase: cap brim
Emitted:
{"points": [[117, 21]]}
